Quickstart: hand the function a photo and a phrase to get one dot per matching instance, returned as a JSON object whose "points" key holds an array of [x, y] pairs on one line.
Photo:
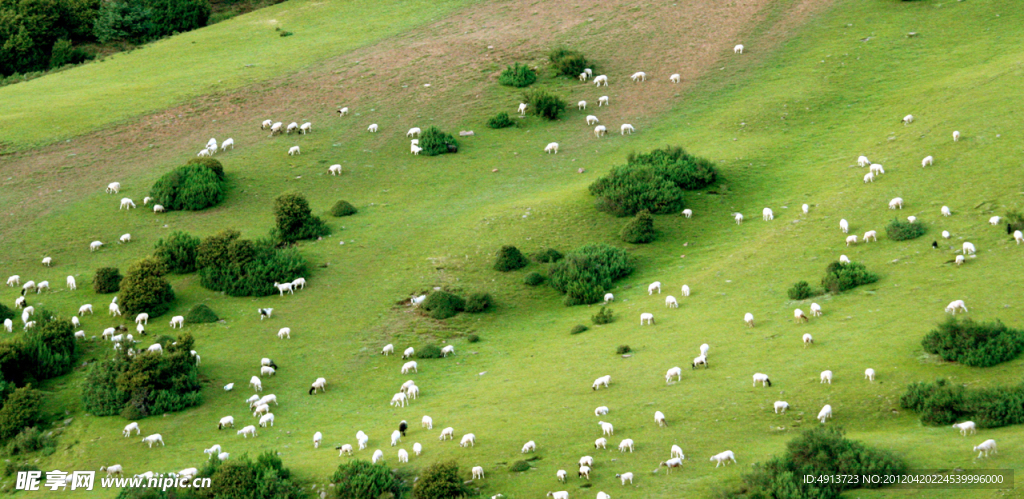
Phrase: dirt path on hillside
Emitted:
{"points": [[660, 38]]}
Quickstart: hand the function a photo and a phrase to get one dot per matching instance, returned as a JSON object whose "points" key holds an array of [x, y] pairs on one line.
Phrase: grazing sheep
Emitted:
{"points": [[670, 302], [343, 111], [603, 380], [646, 317], [583, 77], [267, 371], [592, 120], [530, 446], [844, 226], [334, 170], [672, 463], [267, 418], [763, 378], [994, 220], [388, 349], [738, 217], [256, 383], [966, 427], [674, 372], [956, 305], [9, 327], [826, 377], [158, 208], [659, 417], [808, 339], [276, 128], [986, 447], [969, 249], [656, 285], [956, 136], [345, 449], [225, 422], [265, 313], [408, 353], [737, 49], [114, 309], [871, 236], [601, 411], [863, 161], [522, 108], [815, 309], [581, 105], [403, 456], [318, 384], [450, 349], [260, 409], [851, 239], [767, 214], [560, 475], [396, 436], [599, 79], [639, 76], [468, 439], [447, 432], [95, 245], [128, 429], [624, 477], [113, 470], [601, 443], [411, 365], [908, 119], [896, 203], [293, 150], [229, 142], [317, 439], [723, 458], [427, 422], [877, 169], [586, 461], [869, 374], [152, 439], [844, 260], [869, 177], [293, 126], [781, 406], [600, 131], [306, 128], [749, 319], [155, 347], [372, 128], [700, 360], [47, 261], [675, 78], [602, 101], [413, 132], [606, 428], [626, 128], [42, 285], [799, 316], [825, 414], [113, 188], [14, 280], [551, 148], [399, 400], [177, 320], [584, 472], [687, 213], [1018, 236], [927, 161], [558, 495], [204, 153], [417, 448], [911, 219]]}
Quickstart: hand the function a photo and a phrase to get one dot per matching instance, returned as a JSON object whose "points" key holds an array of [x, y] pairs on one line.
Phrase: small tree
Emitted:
{"points": [[144, 289], [840, 277], [440, 481], [443, 305], [178, 252], [568, 63], [194, 187], [434, 142], [898, 230], [544, 104], [977, 344], [639, 230], [107, 280], [510, 258], [295, 220], [20, 411], [604, 316], [802, 291], [500, 120], [360, 479], [517, 76], [343, 209]]}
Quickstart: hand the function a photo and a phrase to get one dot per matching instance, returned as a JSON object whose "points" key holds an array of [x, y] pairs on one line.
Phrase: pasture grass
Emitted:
{"points": [[784, 131]]}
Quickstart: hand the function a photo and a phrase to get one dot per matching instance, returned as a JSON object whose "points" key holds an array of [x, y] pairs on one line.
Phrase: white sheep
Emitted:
{"points": [[14, 280], [293, 150], [869, 374], [560, 475], [125, 238], [738, 217], [599, 79], [723, 458], [276, 128], [399, 400], [32, 324], [911, 219], [306, 128], [256, 383], [815, 309], [763, 378], [413, 132], [956, 136], [581, 105], [227, 143], [805, 208], [559, 495], [267, 418], [142, 318], [851, 239], [583, 77], [408, 353], [260, 409], [204, 153], [450, 349], [372, 128], [293, 126], [659, 418], [177, 321], [600, 131], [654, 286], [427, 422], [156, 347], [826, 377], [522, 108], [1018, 236], [417, 448], [388, 349], [639, 76], [9, 327], [781, 406], [871, 236], [700, 360], [646, 317], [601, 443], [869, 177], [896, 203], [267, 399], [592, 120], [551, 148], [994, 220], [403, 456], [95, 245], [334, 169], [969, 249], [409, 366], [343, 111], [908, 119], [47, 261], [601, 411], [603, 380], [586, 461], [447, 432], [602, 101], [318, 438], [318, 384], [606, 428], [345, 449], [927, 161], [223, 456], [75, 322], [877, 169], [626, 128], [675, 462], [986, 447], [396, 436], [825, 413], [844, 226], [670, 302], [284, 287], [113, 470], [530, 446], [129, 428], [767, 214], [675, 372], [478, 473], [113, 188], [468, 439], [675, 78], [863, 161], [415, 150], [152, 439], [844, 260], [956, 305], [114, 309], [808, 340], [798, 316], [267, 371], [966, 427], [216, 449], [959, 260], [687, 213], [737, 49], [225, 422], [158, 208]]}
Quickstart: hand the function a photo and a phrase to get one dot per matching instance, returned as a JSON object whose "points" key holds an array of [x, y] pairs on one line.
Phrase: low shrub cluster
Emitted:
{"points": [[822, 451], [518, 76], [201, 314], [472, 338], [295, 220], [587, 272], [194, 186], [241, 267], [20, 411], [146, 384], [144, 289], [803, 291], [944, 403], [30, 440], [479, 302], [429, 351], [899, 230], [178, 252], [500, 120], [343, 209], [577, 329], [654, 182], [604, 316], [262, 478], [440, 481], [435, 142], [43, 352], [639, 230], [975, 344], [358, 479], [843, 277], [107, 280], [1014, 221], [533, 279], [519, 467], [442, 304], [568, 63], [509, 259], [549, 255], [623, 349], [544, 104]]}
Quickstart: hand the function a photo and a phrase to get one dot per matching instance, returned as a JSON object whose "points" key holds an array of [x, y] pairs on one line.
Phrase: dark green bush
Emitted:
{"points": [[360, 479], [12, 467], [178, 253], [510, 258], [803, 291], [343, 209], [434, 142], [544, 104], [191, 187], [518, 76], [1014, 221], [178, 16], [49, 350], [63, 53], [549, 255], [144, 289], [107, 280], [604, 316], [145, 384], [215, 166], [568, 62], [577, 329], [443, 305], [587, 272], [31, 30], [429, 351], [839, 277], [472, 338], [201, 314], [295, 220], [240, 267], [20, 411], [898, 230], [519, 467], [440, 481], [653, 182], [479, 302], [943, 403], [130, 22], [29, 440], [533, 279], [242, 477], [500, 120], [822, 451], [975, 344], [623, 349], [639, 230], [6, 313]]}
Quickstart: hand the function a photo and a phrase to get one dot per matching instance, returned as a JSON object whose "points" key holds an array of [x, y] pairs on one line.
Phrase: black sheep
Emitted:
{"points": [[935, 245], [402, 427]]}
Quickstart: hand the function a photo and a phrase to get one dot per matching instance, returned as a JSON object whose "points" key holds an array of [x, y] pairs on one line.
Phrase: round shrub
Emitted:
{"points": [[510, 258], [440, 481], [434, 142], [472, 338], [178, 253], [533, 279], [976, 344], [107, 280], [578, 329], [568, 63], [240, 267], [544, 104], [342, 209], [839, 277], [655, 182], [478, 302], [20, 410], [295, 220], [429, 351], [549, 255], [190, 187], [587, 272], [500, 120], [519, 467], [623, 349], [201, 314], [802, 291], [215, 166], [443, 305], [898, 230], [145, 290], [604, 316], [360, 479], [518, 76], [639, 230]]}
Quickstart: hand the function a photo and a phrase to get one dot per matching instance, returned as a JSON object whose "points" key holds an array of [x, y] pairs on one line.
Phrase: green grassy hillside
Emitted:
{"points": [[785, 126]]}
